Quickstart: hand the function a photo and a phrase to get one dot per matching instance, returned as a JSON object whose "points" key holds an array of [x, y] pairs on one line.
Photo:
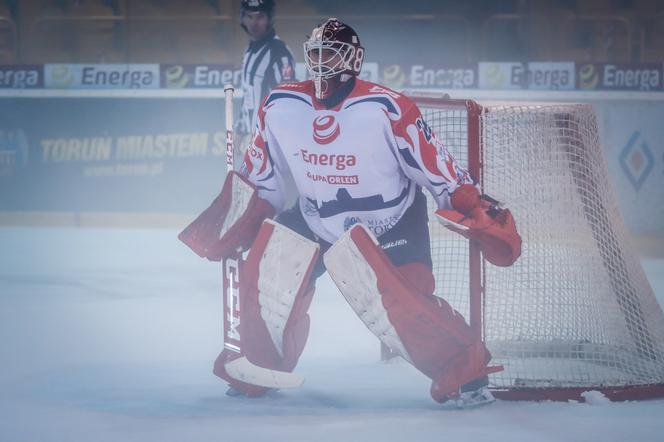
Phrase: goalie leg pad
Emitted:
{"points": [[231, 221], [275, 295], [421, 328]]}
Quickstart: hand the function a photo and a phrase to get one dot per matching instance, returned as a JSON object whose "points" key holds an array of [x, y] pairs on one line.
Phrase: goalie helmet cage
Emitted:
{"points": [[575, 312]]}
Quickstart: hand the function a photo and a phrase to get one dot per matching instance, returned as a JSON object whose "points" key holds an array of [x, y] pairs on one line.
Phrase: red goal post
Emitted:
{"points": [[576, 312]]}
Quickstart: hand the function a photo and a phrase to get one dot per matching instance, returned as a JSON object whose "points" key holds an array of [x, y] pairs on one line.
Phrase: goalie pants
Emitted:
{"points": [[406, 242]]}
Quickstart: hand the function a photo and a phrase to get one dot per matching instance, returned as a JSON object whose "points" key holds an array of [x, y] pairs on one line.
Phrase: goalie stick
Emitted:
{"points": [[230, 266], [241, 368]]}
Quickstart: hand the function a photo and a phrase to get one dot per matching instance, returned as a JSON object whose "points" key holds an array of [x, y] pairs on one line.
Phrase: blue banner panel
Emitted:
{"points": [[620, 76], [21, 76], [111, 155]]}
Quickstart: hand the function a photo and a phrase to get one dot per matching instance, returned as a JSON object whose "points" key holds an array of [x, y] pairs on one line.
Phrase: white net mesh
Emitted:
{"points": [[576, 309]]}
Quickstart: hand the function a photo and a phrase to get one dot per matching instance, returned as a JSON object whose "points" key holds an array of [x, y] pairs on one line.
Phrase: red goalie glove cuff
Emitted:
{"points": [[474, 218], [465, 199]]}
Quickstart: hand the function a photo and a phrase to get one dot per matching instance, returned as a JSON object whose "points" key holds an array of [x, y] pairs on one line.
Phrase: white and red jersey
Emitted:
{"points": [[360, 161]]}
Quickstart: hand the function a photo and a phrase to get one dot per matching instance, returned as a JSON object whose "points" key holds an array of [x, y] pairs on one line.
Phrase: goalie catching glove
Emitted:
{"points": [[478, 218], [230, 223]]}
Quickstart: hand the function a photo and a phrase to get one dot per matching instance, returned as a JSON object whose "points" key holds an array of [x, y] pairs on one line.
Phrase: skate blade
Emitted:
{"points": [[474, 399], [243, 370]]}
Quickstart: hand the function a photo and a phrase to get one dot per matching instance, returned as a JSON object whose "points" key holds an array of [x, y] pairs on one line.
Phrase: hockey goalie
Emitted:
{"points": [[358, 156]]}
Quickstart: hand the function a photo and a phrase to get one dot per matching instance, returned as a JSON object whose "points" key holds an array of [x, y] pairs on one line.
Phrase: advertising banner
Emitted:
{"points": [[547, 76], [537, 76], [620, 76], [429, 76], [101, 76], [111, 155], [499, 75], [631, 137], [21, 76], [191, 76], [533, 75]]}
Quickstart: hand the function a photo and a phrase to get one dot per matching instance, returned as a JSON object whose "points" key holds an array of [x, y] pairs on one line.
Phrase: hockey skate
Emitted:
{"points": [[474, 394], [234, 392]]}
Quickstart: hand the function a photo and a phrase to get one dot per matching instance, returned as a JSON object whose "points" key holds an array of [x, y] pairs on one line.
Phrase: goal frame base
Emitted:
{"points": [[615, 394]]}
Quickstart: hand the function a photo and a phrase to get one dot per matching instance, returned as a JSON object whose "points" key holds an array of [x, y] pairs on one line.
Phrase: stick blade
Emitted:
{"points": [[244, 370]]}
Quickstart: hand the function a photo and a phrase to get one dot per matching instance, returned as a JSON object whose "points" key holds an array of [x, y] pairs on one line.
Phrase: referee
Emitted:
{"points": [[267, 62]]}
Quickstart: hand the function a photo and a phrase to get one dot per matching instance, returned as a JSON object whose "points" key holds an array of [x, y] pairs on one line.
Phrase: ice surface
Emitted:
{"points": [[110, 335]]}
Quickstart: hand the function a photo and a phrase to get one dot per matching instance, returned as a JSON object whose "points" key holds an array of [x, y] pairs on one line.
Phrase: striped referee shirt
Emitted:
{"points": [[267, 62]]}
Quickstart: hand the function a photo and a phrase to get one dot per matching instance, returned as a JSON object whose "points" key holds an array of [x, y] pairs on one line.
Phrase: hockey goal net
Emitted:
{"points": [[576, 312]]}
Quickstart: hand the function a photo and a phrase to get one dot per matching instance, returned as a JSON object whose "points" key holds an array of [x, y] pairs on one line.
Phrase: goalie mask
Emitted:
{"points": [[333, 55]]}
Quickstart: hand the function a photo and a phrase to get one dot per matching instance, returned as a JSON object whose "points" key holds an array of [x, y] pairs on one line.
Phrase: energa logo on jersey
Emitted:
{"points": [[326, 129]]}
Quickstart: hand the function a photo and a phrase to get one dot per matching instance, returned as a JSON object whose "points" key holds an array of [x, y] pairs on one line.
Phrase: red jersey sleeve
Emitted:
{"points": [[423, 157]]}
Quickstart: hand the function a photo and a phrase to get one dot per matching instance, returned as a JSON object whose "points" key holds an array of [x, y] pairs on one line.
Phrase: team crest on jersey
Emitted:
{"points": [[326, 129], [350, 221]]}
